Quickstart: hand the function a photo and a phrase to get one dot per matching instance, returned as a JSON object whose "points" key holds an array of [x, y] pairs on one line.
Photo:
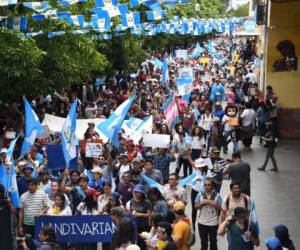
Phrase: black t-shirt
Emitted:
{"points": [[240, 172], [141, 207]]}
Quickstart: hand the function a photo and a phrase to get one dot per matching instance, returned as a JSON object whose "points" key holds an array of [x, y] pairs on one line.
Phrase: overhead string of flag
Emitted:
{"points": [[105, 10]]}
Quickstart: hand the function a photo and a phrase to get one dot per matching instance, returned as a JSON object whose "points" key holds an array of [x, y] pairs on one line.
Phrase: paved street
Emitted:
{"points": [[276, 194]]}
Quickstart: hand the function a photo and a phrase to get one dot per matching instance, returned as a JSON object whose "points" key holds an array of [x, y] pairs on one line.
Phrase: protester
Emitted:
{"points": [[270, 142], [209, 203], [282, 233], [182, 227], [239, 171], [164, 236], [33, 203], [242, 234]]}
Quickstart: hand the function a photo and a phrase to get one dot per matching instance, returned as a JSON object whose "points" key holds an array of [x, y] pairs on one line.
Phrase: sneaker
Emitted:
{"points": [[274, 169], [260, 169]]}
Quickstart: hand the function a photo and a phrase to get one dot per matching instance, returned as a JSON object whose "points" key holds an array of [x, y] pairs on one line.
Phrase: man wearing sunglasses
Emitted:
{"points": [[209, 203]]}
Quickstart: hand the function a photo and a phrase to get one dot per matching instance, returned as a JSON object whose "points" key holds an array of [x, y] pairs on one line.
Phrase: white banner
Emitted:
{"points": [[93, 149], [156, 141]]}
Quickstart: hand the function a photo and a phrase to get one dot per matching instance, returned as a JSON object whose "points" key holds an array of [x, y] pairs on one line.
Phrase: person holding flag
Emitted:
{"points": [[243, 233]]}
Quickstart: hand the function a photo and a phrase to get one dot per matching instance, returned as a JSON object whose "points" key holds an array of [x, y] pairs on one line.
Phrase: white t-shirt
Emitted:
{"points": [[225, 123], [197, 143], [83, 209], [248, 117], [66, 212], [206, 121]]}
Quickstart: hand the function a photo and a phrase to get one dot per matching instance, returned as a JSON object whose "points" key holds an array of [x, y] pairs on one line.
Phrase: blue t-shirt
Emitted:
{"points": [[161, 208]]}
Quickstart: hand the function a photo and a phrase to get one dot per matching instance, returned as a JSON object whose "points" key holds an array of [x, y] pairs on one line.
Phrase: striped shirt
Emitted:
{"points": [[33, 204]]}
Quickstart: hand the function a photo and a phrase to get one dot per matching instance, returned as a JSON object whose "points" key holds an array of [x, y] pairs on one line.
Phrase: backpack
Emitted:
{"points": [[192, 237], [245, 201], [212, 197]]}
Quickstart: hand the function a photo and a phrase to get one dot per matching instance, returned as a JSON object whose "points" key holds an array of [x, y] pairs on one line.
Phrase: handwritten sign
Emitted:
{"points": [[93, 149], [181, 53]]}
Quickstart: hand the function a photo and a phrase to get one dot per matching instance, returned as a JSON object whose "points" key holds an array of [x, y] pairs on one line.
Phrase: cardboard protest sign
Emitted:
{"points": [[93, 149], [156, 140]]}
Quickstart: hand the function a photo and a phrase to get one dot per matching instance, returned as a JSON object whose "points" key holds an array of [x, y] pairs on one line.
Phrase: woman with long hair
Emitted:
{"points": [[197, 143], [159, 206], [89, 206], [151, 237], [60, 208], [104, 198]]}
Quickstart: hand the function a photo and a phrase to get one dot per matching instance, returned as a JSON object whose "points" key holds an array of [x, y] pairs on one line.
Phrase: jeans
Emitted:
{"points": [[270, 155], [186, 166], [208, 233]]}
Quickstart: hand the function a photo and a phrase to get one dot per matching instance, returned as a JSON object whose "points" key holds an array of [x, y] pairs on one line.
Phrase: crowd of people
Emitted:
{"points": [[226, 110]]}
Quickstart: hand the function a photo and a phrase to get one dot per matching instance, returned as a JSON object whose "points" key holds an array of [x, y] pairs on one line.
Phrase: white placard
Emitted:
{"points": [[185, 72], [181, 53], [93, 149], [156, 140]]}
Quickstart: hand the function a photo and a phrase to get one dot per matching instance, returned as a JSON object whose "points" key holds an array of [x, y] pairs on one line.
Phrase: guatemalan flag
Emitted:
{"points": [[111, 126], [155, 15], [68, 137], [13, 187], [33, 128], [253, 216], [171, 112], [130, 19], [37, 6], [165, 71], [152, 183], [8, 2]]}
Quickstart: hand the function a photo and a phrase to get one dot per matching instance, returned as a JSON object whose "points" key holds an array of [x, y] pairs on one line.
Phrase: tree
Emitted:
{"points": [[241, 11]]}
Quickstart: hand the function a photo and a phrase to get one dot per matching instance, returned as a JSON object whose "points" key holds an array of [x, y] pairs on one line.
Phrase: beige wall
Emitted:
{"points": [[285, 25]]}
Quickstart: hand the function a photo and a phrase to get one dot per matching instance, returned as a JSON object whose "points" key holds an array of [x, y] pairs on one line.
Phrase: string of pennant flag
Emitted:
{"points": [[101, 19]]}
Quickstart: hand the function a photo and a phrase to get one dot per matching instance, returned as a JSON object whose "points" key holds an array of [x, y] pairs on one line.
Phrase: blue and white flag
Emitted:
{"points": [[155, 15], [55, 33], [13, 187], [188, 180], [3, 175], [33, 128], [197, 51], [68, 137], [253, 217], [135, 128], [18, 23], [67, 3], [156, 63], [77, 20], [49, 14], [8, 2], [10, 150], [111, 10], [111, 126], [130, 19], [165, 71], [37, 6], [101, 21], [104, 3], [152, 183]]}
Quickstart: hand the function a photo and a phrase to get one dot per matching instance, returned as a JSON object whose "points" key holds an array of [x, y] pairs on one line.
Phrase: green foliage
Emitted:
{"points": [[241, 11]]}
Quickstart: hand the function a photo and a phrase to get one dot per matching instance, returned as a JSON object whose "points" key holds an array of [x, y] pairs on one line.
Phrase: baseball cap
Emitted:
{"points": [[281, 231], [114, 196], [215, 150], [179, 206], [133, 247], [139, 188], [28, 165]]}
